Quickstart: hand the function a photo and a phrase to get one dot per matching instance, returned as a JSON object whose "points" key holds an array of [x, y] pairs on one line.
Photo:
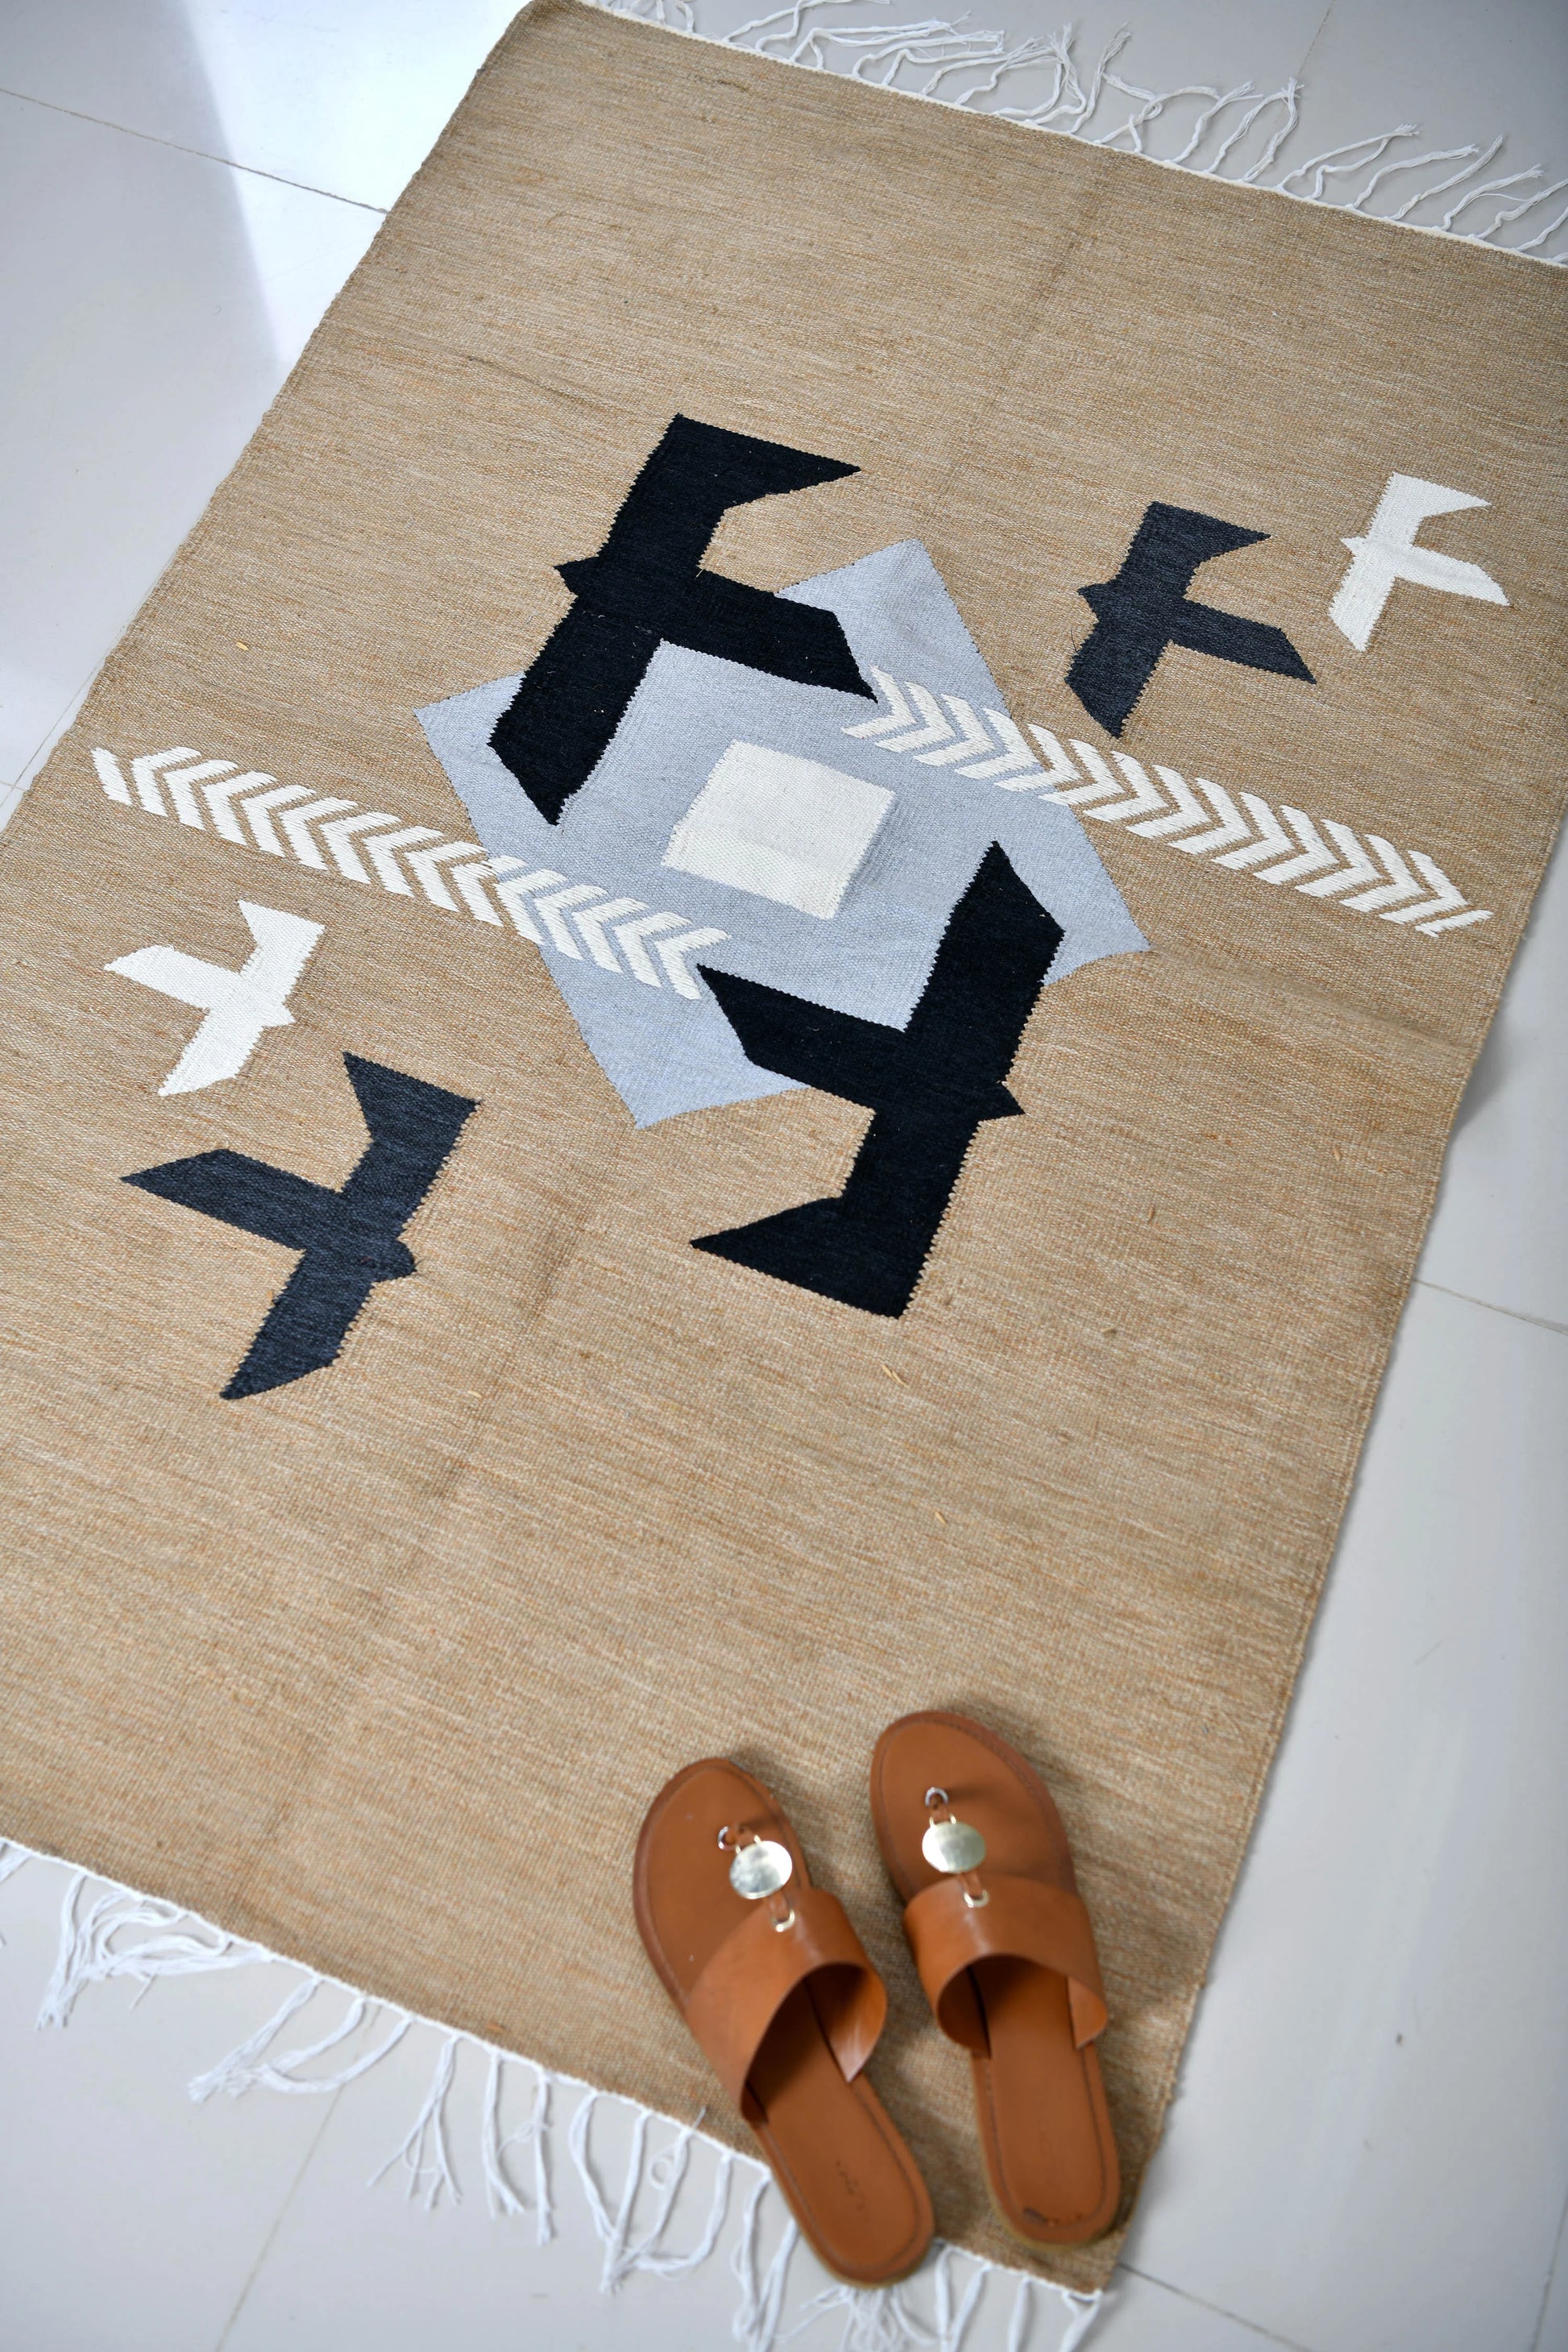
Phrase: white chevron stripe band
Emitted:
{"points": [[1320, 856], [312, 830]]}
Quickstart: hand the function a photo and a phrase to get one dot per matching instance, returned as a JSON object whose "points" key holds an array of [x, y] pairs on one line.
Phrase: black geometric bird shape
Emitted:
{"points": [[930, 1086], [1146, 608], [647, 586], [349, 1239]]}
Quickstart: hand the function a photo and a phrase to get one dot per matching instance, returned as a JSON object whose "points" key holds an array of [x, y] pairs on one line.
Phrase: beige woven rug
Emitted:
{"points": [[396, 1496]]}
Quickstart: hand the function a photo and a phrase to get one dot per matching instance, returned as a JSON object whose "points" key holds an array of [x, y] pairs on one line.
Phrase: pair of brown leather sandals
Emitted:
{"points": [[776, 1988]]}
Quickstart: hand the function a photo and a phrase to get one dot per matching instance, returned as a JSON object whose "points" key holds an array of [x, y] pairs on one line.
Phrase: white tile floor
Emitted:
{"points": [[1370, 2151]]}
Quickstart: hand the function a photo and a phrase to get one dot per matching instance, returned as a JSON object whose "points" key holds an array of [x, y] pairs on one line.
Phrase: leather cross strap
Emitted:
{"points": [[1024, 1919], [758, 1965]]}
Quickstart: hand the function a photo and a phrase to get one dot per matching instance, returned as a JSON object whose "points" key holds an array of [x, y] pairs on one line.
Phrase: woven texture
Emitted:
{"points": [[382, 1665]]}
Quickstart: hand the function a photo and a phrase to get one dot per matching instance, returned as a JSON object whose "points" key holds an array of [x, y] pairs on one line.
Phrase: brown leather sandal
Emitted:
{"points": [[772, 1981], [1005, 1952]]}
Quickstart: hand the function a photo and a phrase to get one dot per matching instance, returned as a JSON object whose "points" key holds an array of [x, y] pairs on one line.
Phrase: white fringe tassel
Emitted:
{"points": [[1233, 134], [169, 1943], [109, 1932], [503, 2197]]}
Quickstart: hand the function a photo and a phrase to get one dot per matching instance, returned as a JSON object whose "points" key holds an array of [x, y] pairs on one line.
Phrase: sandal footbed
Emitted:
{"points": [[843, 2170], [1044, 2127]]}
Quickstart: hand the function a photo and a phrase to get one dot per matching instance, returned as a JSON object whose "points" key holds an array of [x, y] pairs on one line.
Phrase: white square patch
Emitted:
{"points": [[781, 828]]}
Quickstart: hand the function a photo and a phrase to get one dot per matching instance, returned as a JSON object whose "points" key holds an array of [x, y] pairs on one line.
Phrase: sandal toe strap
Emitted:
{"points": [[758, 1966], [1018, 1918]]}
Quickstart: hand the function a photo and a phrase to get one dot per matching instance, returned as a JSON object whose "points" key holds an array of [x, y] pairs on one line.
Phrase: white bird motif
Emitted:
{"points": [[239, 1005]]}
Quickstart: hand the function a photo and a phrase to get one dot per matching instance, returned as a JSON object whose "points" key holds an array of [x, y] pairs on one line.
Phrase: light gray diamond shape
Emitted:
{"points": [[666, 1053]]}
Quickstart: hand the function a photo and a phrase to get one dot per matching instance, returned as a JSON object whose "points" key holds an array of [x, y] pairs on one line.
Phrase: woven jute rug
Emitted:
{"points": [[415, 948]]}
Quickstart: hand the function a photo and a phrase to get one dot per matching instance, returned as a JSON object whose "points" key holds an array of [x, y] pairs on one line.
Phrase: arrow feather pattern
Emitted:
{"points": [[974, 737], [555, 910], [1287, 847], [629, 938], [1320, 856], [1102, 784], [111, 776], [469, 879], [145, 775], [1273, 841], [336, 838], [1357, 867], [1455, 922], [513, 893], [260, 822], [1143, 797], [591, 924], [181, 783], [1436, 880], [575, 913], [672, 954], [220, 800], [898, 713], [380, 848], [1061, 770], [1403, 886], [1189, 810], [1232, 826], [1314, 854], [423, 862], [297, 821], [1015, 768], [936, 729]]}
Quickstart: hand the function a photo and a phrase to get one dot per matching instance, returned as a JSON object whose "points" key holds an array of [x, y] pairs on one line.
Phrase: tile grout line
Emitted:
{"points": [[1322, 27], [1221, 2310], [278, 2220], [58, 725], [205, 154], [1516, 1314], [1551, 2270]]}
